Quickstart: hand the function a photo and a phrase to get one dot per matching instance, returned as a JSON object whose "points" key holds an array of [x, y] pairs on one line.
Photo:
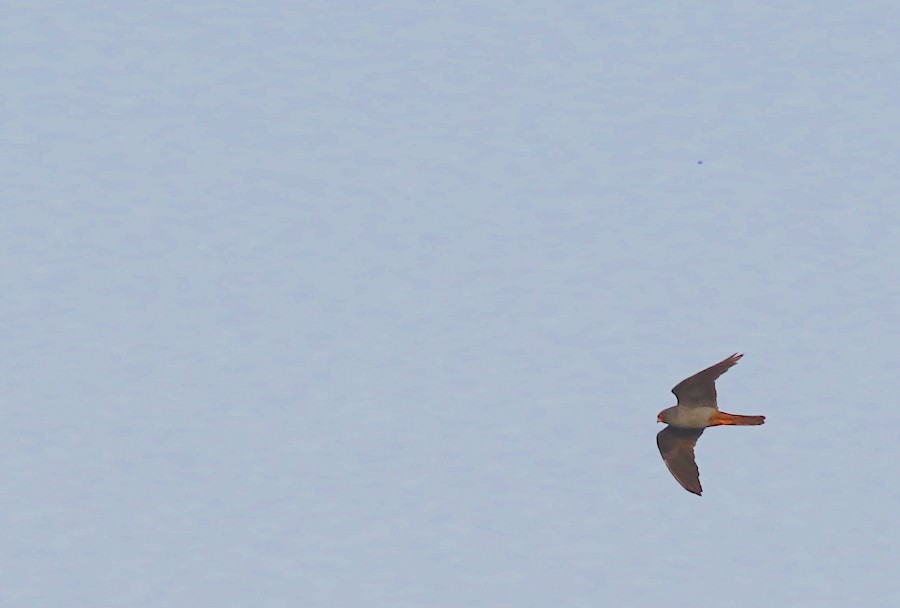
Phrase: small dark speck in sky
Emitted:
{"points": [[699, 162]]}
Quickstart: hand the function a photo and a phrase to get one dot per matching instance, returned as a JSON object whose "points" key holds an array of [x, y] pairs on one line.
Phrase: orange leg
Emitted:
{"points": [[735, 419]]}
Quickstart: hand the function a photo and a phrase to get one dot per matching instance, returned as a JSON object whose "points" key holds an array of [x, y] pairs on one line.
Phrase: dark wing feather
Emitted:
{"points": [[700, 389], [677, 449]]}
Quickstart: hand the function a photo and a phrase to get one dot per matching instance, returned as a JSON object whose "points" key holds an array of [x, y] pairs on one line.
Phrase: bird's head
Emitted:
{"points": [[663, 416]]}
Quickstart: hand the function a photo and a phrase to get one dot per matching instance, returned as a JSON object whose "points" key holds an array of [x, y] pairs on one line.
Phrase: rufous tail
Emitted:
{"points": [[736, 419]]}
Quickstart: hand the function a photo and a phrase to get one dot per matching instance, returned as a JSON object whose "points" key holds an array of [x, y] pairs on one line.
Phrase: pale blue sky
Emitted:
{"points": [[374, 304]]}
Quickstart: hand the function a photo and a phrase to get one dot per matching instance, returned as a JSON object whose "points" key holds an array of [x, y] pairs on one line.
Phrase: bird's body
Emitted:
{"points": [[688, 417], [696, 410]]}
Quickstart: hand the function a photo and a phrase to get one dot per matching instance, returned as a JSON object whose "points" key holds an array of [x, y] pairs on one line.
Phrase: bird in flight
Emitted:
{"points": [[696, 409]]}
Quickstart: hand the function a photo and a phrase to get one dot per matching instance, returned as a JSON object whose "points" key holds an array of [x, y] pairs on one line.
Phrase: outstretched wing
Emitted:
{"points": [[677, 449], [700, 389]]}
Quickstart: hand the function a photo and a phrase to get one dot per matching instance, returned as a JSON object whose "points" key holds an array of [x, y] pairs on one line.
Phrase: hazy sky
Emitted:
{"points": [[374, 304]]}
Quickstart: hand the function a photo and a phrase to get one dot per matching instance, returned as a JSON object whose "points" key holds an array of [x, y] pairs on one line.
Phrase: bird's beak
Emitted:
{"points": [[659, 418]]}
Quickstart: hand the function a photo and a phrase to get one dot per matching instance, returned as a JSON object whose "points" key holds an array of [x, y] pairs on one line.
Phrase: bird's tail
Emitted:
{"points": [[736, 419]]}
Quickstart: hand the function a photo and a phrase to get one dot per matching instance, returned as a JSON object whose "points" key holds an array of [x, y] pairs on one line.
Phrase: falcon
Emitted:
{"points": [[695, 411]]}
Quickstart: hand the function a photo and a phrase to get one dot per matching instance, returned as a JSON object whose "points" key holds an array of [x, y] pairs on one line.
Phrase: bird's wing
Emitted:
{"points": [[700, 389], [677, 449]]}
